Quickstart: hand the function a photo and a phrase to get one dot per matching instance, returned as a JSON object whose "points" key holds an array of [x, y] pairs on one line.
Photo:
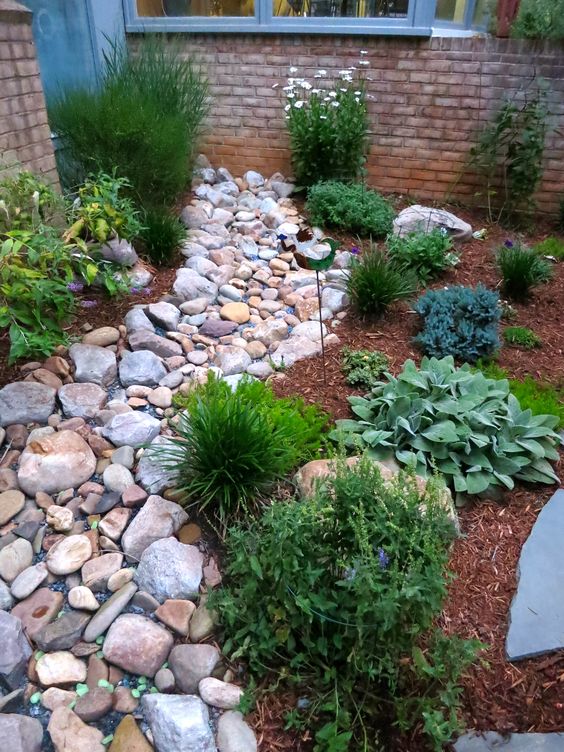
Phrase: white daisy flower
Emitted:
{"points": [[305, 85], [293, 70], [323, 117], [299, 104], [364, 52], [322, 72], [363, 62], [335, 104], [286, 109]]}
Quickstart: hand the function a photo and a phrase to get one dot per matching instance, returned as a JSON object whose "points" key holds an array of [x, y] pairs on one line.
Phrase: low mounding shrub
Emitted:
{"points": [[374, 282], [363, 367], [428, 254], [539, 19], [143, 121], [520, 336], [553, 247], [339, 594], [459, 321], [232, 446], [161, 235], [351, 207], [521, 269], [26, 202], [468, 427]]}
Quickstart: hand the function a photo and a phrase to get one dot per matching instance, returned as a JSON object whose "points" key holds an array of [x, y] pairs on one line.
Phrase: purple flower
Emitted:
{"points": [[88, 303], [355, 250], [281, 236], [383, 558], [135, 290], [75, 286], [147, 291], [508, 244]]}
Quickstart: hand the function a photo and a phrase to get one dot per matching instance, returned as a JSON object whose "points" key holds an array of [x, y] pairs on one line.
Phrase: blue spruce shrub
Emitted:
{"points": [[459, 321]]}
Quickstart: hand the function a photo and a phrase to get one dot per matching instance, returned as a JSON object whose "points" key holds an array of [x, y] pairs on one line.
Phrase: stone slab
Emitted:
{"points": [[491, 741]]}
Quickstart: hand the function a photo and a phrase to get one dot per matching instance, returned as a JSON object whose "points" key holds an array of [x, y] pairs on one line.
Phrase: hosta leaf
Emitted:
{"points": [[459, 483], [478, 481], [505, 480]]}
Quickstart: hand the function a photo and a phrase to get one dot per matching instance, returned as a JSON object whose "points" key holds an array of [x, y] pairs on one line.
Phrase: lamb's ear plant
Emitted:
{"points": [[469, 428]]}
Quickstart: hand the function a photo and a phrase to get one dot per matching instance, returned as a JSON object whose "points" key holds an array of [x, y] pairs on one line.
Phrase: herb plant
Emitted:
{"points": [[521, 269], [161, 235], [232, 446], [363, 367], [520, 336], [553, 247], [469, 428], [428, 254], [374, 282], [328, 128], [459, 321], [351, 207], [338, 597]]}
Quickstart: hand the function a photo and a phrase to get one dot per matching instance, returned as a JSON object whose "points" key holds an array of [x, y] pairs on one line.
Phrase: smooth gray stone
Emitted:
{"points": [[15, 650], [63, 633], [536, 617], [491, 741], [109, 611], [179, 723], [21, 733], [26, 402]]}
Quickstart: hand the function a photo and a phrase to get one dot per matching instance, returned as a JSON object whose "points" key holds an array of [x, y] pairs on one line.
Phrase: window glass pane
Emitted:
{"points": [[165, 8], [480, 13], [341, 8], [451, 10]]}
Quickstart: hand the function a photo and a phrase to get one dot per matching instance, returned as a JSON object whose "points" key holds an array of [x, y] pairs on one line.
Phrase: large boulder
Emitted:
{"points": [[55, 462], [294, 349], [157, 519], [119, 251], [141, 367], [136, 644], [425, 219], [93, 364], [26, 402], [15, 650], [81, 400], [170, 569], [189, 285], [179, 723]]}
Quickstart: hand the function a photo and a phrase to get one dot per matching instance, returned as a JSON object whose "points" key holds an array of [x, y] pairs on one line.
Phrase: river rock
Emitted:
{"points": [[96, 572], [417, 218], [136, 644], [93, 364], [82, 598], [220, 694], [109, 611], [14, 558], [23, 734], [26, 402], [61, 519], [54, 463], [157, 519], [69, 554], [234, 735], [170, 569], [179, 723], [131, 428], [60, 668], [38, 609], [63, 633], [176, 615], [192, 663], [15, 650], [144, 340], [117, 477], [231, 360], [103, 336], [11, 502], [236, 312], [6, 600], [152, 473], [28, 581], [294, 349], [164, 315], [189, 285], [69, 734], [82, 400], [141, 367], [94, 705], [129, 738]]}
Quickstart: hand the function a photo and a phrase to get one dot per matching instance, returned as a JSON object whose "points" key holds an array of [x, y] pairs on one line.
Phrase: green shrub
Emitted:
{"points": [[428, 254], [328, 129], [338, 595], [26, 203], [374, 282], [537, 396], [469, 428], [459, 321], [143, 121], [351, 207], [539, 19], [363, 367], [553, 247], [38, 274], [161, 235], [520, 336], [101, 211], [521, 269], [232, 446]]}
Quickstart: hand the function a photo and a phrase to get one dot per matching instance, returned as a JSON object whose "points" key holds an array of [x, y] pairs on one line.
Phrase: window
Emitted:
{"points": [[415, 17]]}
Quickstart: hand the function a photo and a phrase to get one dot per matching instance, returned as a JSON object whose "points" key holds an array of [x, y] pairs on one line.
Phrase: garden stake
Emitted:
{"points": [[321, 328]]}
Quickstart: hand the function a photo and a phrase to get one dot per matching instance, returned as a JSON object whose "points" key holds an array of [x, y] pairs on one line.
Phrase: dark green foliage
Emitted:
{"points": [[26, 202], [521, 269], [427, 253], [339, 594], [509, 155], [351, 207], [539, 19], [144, 121], [459, 321], [553, 247], [537, 396], [232, 446], [520, 336], [374, 282], [161, 235], [363, 367], [328, 139], [469, 428]]}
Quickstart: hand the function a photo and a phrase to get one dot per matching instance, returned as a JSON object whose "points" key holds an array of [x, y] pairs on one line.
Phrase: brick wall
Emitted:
{"points": [[25, 140], [431, 97]]}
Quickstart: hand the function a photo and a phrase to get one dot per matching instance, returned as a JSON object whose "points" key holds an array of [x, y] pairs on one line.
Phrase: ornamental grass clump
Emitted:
{"points": [[454, 420], [427, 253], [328, 126], [374, 282], [521, 270], [521, 336], [351, 207], [231, 447], [337, 596], [459, 321], [161, 235]]}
